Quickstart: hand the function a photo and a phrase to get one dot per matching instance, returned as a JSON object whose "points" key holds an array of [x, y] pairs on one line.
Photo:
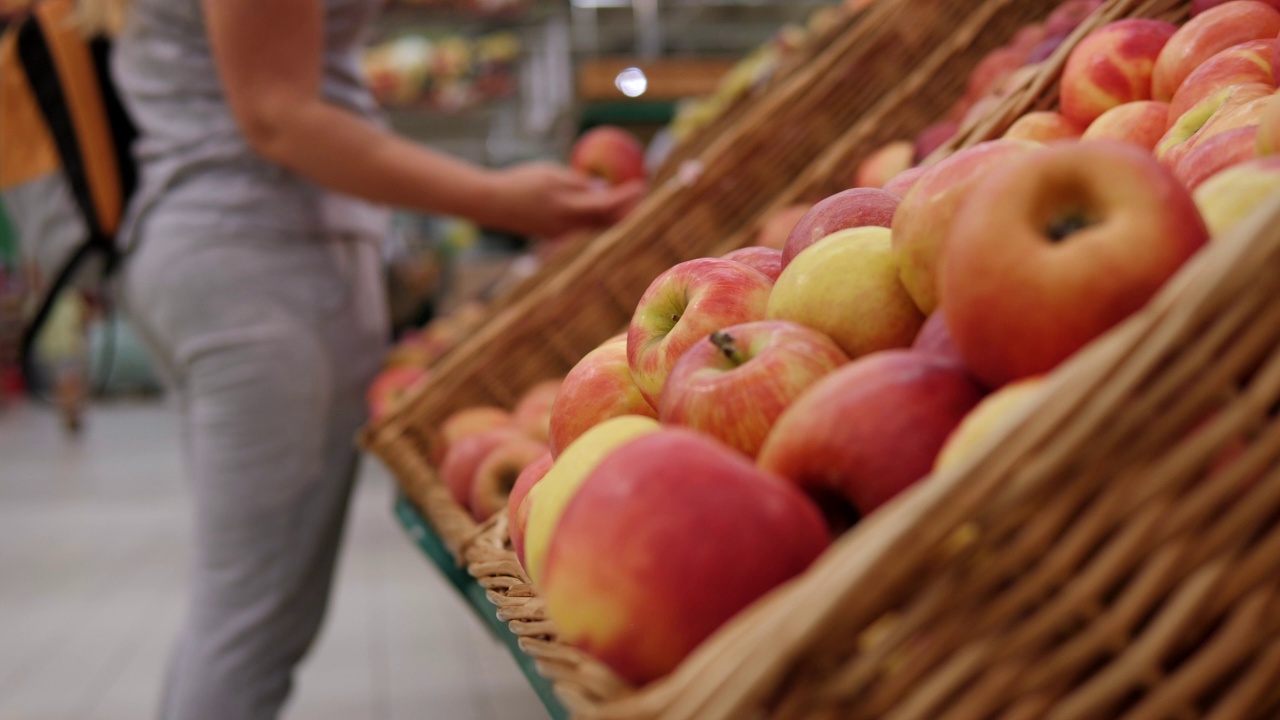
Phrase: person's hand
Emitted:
{"points": [[548, 200]]}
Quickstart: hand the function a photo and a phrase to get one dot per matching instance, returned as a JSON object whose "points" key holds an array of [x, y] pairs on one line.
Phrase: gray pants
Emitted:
{"points": [[269, 342]]}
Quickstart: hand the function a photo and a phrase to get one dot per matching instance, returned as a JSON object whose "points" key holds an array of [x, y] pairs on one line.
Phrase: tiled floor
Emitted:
{"points": [[92, 543]]}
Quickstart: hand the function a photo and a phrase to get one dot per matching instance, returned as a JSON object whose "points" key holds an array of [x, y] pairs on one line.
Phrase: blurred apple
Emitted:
{"points": [[934, 137], [935, 339], [859, 207], [1067, 17], [599, 387], [458, 471], [1056, 247], [736, 382], [1215, 154], [670, 536], [883, 164], [777, 226], [609, 153], [1248, 62], [517, 508], [1229, 197], [497, 474], [991, 69], [766, 260], [987, 417], [1199, 6], [1269, 128], [1111, 66], [1233, 106], [904, 181], [391, 387], [1142, 123], [1208, 34], [685, 304], [846, 286], [532, 412], [1043, 126], [462, 423]]}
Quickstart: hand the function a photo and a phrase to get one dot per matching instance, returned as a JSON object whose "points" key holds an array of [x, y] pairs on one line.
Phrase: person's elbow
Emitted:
{"points": [[272, 125]]}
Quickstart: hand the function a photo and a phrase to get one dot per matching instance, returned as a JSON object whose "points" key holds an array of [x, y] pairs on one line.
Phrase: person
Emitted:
{"points": [[253, 277]]}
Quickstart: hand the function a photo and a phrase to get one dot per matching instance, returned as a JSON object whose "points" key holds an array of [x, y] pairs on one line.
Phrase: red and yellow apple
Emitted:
{"points": [[1228, 198], [736, 382], [1199, 6], [497, 474], [1231, 107], [1142, 123], [885, 163], [599, 387], [610, 154], [685, 304], [765, 259], [859, 207], [988, 416], [1216, 153], [391, 386], [1248, 62], [1208, 34], [669, 537], [1055, 248], [1043, 126], [532, 412], [517, 508], [458, 471], [1113, 65]]}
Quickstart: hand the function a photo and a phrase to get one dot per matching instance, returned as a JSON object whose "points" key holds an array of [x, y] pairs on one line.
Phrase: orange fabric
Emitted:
{"points": [[85, 103], [27, 150]]}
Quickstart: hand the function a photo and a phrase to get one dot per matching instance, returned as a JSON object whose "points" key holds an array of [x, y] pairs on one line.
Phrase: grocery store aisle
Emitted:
{"points": [[92, 543]]}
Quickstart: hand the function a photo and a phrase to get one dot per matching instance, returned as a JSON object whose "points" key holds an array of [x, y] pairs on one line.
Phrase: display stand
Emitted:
{"points": [[427, 540]]}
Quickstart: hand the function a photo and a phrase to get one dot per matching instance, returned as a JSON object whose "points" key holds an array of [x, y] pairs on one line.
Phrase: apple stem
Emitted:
{"points": [[727, 345]]}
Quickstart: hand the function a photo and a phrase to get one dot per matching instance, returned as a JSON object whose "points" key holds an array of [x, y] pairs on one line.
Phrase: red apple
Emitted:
{"points": [[859, 207], [1215, 154], [517, 509], [993, 68], [609, 153], [670, 536], [1208, 34], [1142, 123], [599, 387], [1229, 197], [1248, 62], [904, 181], [777, 226], [462, 423], [766, 260], [869, 430], [1055, 248], [736, 382], [391, 387], [684, 305], [885, 163], [924, 218], [1043, 126], [1113, 65], [458, 471], [934, 137], [935, 339], [497, 474], [532, 412]]}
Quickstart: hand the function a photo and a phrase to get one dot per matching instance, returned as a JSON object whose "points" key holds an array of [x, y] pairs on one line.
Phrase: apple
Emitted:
{"points": [[497, 474], [766, 260], [532, 412], [549, 497], [1046, 48], [1208, 34], [1142, 123], [1215, 154], [736, 382], [609, 153], [777, 226], [669, 537], [846, 286], [1055, 248], [1229, 197], [1069, 15], [462, 423], [1248, 62], [390, 388], [1043, 126], [987, 417], [994, 67], [517, 508], [925, 215], [935, 339], [869, 430], [885, 163], [1269, 129], [599, 387], [1230, 107], [1027, 39], [859, 207], [685, 304], [934, 137], [1111, 66], [904, 181], [458, 471]]}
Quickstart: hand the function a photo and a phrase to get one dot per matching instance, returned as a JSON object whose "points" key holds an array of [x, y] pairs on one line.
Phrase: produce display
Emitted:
{"points": [[445, 72], [762, 403]]}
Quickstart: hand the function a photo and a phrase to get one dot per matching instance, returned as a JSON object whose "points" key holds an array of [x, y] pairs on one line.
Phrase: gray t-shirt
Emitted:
{"points": [[193, 158]]}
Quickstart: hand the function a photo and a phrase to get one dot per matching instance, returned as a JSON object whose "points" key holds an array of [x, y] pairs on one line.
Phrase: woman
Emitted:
{"points": [[254, 278]]}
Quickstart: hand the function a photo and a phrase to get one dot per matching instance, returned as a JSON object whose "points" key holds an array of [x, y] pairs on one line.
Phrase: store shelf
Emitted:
{"points": [[430, 544]]}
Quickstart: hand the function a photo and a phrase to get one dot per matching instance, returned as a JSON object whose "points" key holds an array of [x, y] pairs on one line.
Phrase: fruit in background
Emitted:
{"points": [[846, 286], [599, 387], [1055, 248], [934, 137], [1113, 65], [685, 304], [462, 423], [883, 164], [1068, 16], [777, 227], [458, 471], [609, 153], [1199, 6], [1027, 39], [667, 539], [1269, 129], [549, 497], [766, 260], [497, 474], [1229, 197], [1208, 34], [935, 339], [1043, 126], [532, 412], [1142, 123], [904, 181], [1215, 154], [992, 69], [517, 508], [1046, 48], [984, 419], [1248, 62], [869, 430], [390, 388], [859, 207], [736, 382], [1227, 108], [925, 216]]}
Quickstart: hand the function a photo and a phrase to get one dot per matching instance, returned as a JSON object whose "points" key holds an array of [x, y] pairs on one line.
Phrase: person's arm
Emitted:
{"points": [[269, 57]]}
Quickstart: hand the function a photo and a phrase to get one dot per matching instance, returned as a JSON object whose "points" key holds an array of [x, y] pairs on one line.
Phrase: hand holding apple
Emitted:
{"points": [[609, 153]]}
